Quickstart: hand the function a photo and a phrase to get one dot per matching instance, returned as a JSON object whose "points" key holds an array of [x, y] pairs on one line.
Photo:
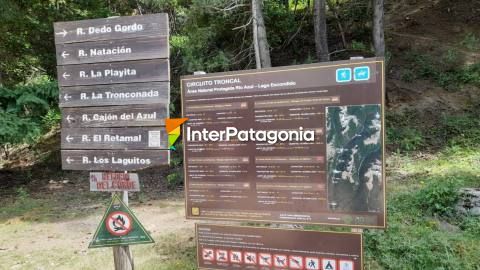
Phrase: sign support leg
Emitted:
{"points": [[122, 256]]}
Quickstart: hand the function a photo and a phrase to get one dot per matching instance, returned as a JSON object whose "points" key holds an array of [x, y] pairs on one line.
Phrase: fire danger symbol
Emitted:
{"points": [[118, 223]]}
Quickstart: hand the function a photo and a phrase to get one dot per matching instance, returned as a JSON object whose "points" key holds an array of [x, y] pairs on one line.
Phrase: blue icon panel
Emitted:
{"points": [[344, 75], [361, 73]]}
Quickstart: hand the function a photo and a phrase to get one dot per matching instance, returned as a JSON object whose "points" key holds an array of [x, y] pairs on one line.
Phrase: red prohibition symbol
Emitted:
{"points": [[118, 223]]}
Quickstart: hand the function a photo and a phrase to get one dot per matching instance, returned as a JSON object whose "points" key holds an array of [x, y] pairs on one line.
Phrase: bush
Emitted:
{"points": [[471, 41], [27, 110], [460, 130], [175, 179], [448, 70], [405, 139], [439, 197]]}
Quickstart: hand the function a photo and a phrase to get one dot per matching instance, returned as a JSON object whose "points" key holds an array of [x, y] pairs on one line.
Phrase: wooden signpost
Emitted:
{"points": [[114, 93]]}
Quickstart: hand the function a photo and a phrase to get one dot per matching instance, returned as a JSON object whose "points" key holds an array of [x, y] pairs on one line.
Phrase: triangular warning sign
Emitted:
{"points": [[119, 227]]}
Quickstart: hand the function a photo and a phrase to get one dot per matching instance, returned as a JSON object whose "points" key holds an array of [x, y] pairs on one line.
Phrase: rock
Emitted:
{"points": [[469, 202], [445, 226]]}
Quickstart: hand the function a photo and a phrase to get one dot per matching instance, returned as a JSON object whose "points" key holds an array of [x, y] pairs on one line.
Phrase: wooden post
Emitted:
{"points": [[122, 256]]}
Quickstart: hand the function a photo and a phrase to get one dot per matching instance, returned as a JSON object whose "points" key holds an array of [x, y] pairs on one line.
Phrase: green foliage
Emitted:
{"points": [[175, 176], [22, 194], [461, 130], [175, 179], [405, 139], [408, 75], [27, 43], [359, 46], [52, 118], [415, 237], [27, 110], [179, 250], [471, 225], [471, 41], [447, 71], [401, 133], [439, 197]]}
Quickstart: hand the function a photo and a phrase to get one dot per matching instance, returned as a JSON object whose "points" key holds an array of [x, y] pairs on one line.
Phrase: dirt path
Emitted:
{"points": [[63, 244]]}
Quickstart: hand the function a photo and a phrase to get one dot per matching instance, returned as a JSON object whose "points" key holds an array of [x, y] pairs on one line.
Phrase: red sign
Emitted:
{"points": [[119, 223], [110, 181]]}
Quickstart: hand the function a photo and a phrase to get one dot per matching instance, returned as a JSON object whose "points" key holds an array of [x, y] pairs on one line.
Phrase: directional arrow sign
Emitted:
{"points": [[113, 160], [63, 33], [111, 28], [134, 138], [115, 94], [69, 138], [113, 50], [69, 119], [115, 116], [115, 72]]}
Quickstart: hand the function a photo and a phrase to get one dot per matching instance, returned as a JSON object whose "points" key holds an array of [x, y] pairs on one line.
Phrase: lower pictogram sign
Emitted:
{"points": [[119, 227], [346, 265], [250, 258], [312, 263], [235, 256], [222, 256], [265, 259], [280, 261], [259, 248], [118, 223], [208, 255], [329, 264], [295, 262]]}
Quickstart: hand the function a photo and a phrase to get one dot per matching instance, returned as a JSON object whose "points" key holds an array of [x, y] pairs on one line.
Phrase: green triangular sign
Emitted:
{"points": [[119, 227]]}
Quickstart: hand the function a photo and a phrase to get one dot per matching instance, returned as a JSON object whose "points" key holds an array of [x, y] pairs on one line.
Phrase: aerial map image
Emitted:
{"points": [[354, 154]]}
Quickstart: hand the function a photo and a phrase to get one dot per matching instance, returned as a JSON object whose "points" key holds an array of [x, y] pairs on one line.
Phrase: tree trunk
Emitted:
{"points": [[320, 27], [378, 32], [260, 42]]}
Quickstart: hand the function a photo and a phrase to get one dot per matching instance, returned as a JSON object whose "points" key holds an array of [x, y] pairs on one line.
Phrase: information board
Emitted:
{"points": [[298, 144], [114, 83], [253, 248]]}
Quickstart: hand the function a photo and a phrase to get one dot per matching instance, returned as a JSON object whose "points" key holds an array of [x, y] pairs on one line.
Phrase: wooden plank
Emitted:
{"points": [[112, 50], [115, 94], [115, 116], [113, 160], [116, 72], [111, 28], [136, 138]]}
